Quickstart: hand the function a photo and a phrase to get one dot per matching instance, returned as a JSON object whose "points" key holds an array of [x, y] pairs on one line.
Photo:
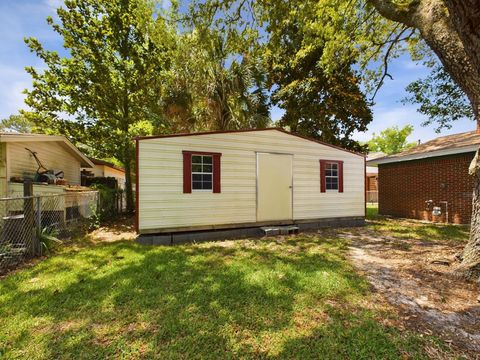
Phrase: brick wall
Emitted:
{"points": [[404, 187]]}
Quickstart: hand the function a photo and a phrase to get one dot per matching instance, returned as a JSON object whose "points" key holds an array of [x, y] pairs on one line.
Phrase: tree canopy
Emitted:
{"points": [[330, 108], [17, 123], [440, 99], [108, 89], [391, 140], [212, 86]]}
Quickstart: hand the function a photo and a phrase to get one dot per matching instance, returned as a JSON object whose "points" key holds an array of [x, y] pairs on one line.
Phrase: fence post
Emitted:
{"points": [[28, 217], [99, 203], [38, 224]]}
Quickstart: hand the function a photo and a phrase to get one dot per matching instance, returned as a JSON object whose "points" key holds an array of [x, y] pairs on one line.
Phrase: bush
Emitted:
{"points": [[110, 182], [107, 207]]}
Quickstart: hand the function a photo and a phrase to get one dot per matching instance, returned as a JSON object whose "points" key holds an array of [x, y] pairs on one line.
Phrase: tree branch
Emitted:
{"points": [[392, 44], [403, 14]]}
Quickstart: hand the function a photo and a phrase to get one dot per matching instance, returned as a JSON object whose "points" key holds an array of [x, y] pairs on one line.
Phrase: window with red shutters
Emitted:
{"points": [[331, 175], [201, 171]]}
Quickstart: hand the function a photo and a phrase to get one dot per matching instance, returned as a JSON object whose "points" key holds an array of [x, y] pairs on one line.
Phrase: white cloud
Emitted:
{"points": [[54, 4], [14, 81], [411, 65], [384, 117]]}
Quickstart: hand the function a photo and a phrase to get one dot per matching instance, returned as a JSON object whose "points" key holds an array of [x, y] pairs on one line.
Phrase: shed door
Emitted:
{"points": [[274, 187]]}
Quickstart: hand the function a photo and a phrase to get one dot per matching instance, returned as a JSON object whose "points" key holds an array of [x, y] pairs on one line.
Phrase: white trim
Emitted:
{"points": [[435, 153], [84, 161], [336, 163], [201, 173]]}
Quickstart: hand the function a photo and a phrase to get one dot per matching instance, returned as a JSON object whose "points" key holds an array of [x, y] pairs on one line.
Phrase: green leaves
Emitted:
{"points": [[440, 99], [17, 123], [320, 100], [110, 83], [215, 83], [391, 140]]}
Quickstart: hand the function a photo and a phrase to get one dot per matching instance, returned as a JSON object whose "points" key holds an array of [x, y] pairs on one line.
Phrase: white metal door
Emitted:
{"points": [[274, 186]]}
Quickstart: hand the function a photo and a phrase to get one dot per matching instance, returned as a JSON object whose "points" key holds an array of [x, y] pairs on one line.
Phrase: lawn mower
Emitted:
{"points": [[43, 174]]}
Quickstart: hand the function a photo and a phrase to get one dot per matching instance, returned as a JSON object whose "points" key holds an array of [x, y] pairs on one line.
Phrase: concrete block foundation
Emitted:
{"points": [[176, 238]]}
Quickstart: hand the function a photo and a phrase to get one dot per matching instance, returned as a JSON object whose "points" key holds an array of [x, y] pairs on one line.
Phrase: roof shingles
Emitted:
{"points": [[450, 142]]}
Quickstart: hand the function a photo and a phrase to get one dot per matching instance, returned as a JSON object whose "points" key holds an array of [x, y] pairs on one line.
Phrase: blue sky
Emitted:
{"points": [[23, 18]]}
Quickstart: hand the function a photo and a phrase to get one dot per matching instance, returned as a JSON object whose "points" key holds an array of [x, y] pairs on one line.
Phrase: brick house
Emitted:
{"points": [[428, 179]]}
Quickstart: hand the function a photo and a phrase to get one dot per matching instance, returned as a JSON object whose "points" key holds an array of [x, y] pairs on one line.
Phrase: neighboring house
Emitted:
{"points": [[429, 181], [104, 168], [55, 152], [249, 178], [371, 178]]}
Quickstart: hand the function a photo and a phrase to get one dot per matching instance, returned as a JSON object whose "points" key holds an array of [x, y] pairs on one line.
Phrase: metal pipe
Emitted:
{"points": [[446, 210]]}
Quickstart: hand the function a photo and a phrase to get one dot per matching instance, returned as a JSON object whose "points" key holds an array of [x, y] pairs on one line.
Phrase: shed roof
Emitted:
{"points": [[62, 140], [441, 146], [106, 163], [249, 130]]}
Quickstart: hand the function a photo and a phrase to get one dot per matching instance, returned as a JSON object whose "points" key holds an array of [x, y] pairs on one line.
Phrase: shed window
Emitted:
{"points": [[201, 171], [331, 175]]}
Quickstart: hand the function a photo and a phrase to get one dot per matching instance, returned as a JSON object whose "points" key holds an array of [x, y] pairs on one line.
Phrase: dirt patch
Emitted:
{"points": [[417, 278], [120, 229]]}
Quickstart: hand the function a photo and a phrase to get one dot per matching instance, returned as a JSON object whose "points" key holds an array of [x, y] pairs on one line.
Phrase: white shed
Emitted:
{"points": [[248, 178]]}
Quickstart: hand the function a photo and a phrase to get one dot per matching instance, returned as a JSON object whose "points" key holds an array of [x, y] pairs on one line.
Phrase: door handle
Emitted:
{"points": [[290, 187]]}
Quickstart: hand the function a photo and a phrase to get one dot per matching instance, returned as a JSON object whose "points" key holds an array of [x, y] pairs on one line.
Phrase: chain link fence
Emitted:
{"points": [[26, 221]]}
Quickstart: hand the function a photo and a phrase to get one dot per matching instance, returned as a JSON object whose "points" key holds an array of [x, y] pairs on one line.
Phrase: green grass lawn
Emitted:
{"points": [[406, 229], [295, 297]]}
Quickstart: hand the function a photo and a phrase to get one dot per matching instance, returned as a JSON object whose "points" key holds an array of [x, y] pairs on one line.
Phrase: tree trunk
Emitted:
{"points": [[128, 178], [470, 266], [465, 15]]}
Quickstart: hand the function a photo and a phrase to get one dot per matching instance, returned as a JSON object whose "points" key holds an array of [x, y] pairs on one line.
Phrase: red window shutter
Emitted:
{"points": [[322, 176], [187, 172], [340, 176], [216, 173]]}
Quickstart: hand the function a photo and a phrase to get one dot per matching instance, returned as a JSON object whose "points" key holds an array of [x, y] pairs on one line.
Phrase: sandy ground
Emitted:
{"points": [[417, 278], [117, 230]]}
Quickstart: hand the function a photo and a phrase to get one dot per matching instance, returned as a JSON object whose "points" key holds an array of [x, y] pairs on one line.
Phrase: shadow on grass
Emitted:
{"points": [[255, 299]]}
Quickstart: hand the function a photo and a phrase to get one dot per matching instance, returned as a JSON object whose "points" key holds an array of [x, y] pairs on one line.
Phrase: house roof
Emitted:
{"points": [[441, 146], [62, 140], [375, 155], [106, 163], [248, 130]]}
